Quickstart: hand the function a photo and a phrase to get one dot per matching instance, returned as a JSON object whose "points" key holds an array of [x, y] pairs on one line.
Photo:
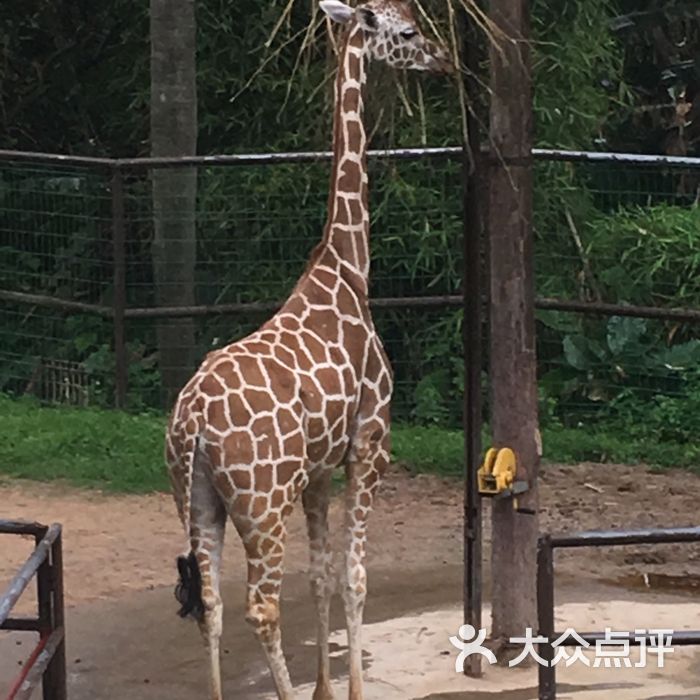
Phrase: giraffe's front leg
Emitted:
{"points": [[362, 484]]}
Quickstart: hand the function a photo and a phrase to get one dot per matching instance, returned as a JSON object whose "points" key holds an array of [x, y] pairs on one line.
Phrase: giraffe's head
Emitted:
{"points": [[392, 34]]}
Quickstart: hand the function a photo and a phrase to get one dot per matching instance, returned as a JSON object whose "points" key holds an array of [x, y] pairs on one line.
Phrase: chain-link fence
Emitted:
{"points": [[78, 245]]}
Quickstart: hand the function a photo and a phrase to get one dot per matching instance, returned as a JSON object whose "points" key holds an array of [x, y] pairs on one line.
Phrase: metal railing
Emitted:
{"points": [[124, 306], [545, 593], [46, 664]]}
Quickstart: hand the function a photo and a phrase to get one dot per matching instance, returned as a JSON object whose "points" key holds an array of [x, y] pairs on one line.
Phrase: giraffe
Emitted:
{"points": [[265, 420]]}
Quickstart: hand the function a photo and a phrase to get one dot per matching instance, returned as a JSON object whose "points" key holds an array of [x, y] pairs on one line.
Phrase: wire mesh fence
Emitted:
{"points": [[608, 231], [625, 234], [55, 241]]}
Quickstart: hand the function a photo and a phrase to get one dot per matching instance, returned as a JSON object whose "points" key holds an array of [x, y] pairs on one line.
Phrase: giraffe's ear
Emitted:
{"points": [[368, 19], [337, 11]]}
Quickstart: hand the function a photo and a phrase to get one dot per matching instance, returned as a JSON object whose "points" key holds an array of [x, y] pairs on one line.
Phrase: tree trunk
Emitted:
{"points": [[512, 324], [174, 133]]}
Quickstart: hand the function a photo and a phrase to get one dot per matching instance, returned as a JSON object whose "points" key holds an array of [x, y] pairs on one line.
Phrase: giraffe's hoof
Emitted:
{"points": [[323, 692]]}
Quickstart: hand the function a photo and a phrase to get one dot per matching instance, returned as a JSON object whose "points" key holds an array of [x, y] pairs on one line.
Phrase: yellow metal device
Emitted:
{"points": [[496, 478]]}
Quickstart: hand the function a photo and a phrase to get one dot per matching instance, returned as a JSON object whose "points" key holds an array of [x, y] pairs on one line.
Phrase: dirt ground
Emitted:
{"points": [[125, 641]]}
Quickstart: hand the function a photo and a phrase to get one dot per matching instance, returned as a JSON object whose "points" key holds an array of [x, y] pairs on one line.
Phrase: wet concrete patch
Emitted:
{"points": [[136, 647]]}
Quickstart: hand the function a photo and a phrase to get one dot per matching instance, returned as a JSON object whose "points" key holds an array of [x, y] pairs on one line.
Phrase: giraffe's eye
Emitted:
{"points": [[409, 34]]}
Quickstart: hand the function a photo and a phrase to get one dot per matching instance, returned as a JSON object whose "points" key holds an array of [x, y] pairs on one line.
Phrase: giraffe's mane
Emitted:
{"points": [[318, 249]]}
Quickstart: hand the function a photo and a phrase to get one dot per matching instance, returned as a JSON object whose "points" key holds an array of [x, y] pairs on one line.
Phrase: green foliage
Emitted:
{"points": [[75, 76], [262, 82], [602, 370], [617, 354], [577, 58], [618, 378], [648, 256], [662, 72], [671, 418]]}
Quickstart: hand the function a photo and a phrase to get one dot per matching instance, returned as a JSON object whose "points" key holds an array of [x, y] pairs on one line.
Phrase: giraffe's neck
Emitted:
{"points": [[347, 226]]}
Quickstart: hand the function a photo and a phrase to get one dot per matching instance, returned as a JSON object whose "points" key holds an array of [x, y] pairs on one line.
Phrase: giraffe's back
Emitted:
{"points": [[268, 409]]}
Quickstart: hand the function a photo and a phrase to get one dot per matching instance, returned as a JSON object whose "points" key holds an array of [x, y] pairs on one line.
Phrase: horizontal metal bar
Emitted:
{"points": [[600, 538], [289, 157], [549, 154], [48, 302], [677, 638], [34, 674], [451, 300], [227, 160], [270, 306], [209, 310], [22, 578], [21, 624], [56, 159], [448, 300], [223, 159], [603, 309], [22, 527], [417, 302], [449, 152]]}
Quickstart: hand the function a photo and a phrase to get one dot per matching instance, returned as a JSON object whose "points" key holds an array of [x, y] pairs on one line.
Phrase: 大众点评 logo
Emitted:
{"points": [[611, 651]]}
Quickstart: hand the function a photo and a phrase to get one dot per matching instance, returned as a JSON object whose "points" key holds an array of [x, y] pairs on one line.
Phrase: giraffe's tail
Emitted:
{"points": [[188, 591]]}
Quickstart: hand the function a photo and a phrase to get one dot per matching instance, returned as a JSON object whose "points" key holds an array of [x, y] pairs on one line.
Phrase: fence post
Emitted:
{"points": [[475, 194], [55, 676], [545, 617], [43, 588], [119, 303]]}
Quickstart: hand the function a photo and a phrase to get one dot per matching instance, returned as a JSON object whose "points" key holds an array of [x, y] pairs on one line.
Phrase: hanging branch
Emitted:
{"points": [[285, 13]]}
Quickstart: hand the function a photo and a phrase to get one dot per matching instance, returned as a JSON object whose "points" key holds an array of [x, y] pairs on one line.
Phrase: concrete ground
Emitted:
{"points": [[125, 641], [136, 648]]}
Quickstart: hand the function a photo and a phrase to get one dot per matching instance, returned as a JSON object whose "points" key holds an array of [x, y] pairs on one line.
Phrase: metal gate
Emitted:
{"points": [[47, 663]]}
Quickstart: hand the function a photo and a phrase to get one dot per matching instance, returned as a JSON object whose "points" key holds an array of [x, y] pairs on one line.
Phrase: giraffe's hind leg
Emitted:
{"points": [[368, 461], [315, 499], [261, 525], [207, 525]]}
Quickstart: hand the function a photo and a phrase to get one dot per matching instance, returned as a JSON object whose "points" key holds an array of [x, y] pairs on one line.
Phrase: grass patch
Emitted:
{"points": [[87, 447], [428, 449], [612, 445], [122, 452]]}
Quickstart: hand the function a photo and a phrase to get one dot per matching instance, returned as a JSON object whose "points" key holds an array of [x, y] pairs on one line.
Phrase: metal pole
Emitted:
{"points": [[43, 585], [612, 538], [474, 197], [119, 262], [243, 159], [545, 617], [55, 676]]}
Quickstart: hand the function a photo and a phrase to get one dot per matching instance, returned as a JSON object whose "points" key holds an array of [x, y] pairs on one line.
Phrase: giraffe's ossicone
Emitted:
{"points": [[266, 419]]}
